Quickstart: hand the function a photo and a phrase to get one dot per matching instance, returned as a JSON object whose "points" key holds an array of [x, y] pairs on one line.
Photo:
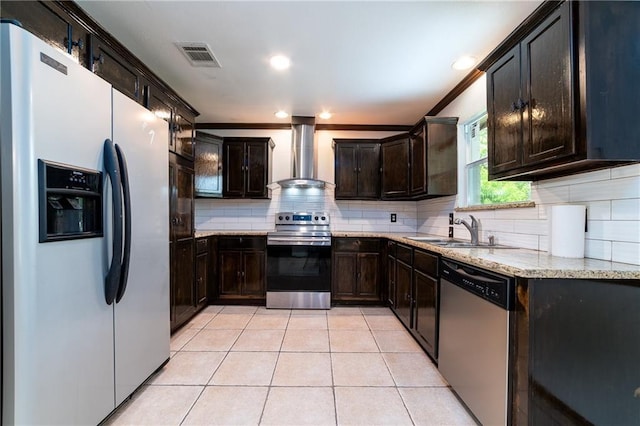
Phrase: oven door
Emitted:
{"points": [[299, 277]]}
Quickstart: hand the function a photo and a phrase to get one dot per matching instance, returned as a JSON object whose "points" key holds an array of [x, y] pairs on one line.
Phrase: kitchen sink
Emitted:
{"points": [[450, 243], [431, 240], [470, 245]]}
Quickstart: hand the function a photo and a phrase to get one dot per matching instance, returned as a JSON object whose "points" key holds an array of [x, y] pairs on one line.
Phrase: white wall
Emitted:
{"points": [[228, 214], [612, 197]]}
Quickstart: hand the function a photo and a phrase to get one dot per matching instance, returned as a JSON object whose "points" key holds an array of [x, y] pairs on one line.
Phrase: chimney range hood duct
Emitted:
{"points": [[304, 164]]}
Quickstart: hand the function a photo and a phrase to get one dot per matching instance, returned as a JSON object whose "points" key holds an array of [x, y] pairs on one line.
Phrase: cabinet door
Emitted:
{"points": [[256, 170], [234, 167], [425, 319], [395, 168], [346, 170], [208, 165], [182, 281], [368, 277], [182, 196], [183, 133], [418, 163], [110, 65], [504, 119], [51, 24], [391, 281], [230, 272], [403, 295], [369, 171], [159, 103], [547, 76], [202, 269], [253, 274], [344, 275], [442, 158]]}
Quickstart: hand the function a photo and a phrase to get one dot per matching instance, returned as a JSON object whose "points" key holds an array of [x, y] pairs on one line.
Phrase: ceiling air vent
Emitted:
{"points": [[199, 54]]}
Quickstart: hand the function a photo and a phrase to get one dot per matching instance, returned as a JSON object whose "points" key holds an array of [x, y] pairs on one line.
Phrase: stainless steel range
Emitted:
{"points": [[299, 261]]}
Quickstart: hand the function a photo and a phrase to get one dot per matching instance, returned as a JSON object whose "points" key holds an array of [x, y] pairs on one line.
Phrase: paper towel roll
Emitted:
{"points": [[566, 230]]}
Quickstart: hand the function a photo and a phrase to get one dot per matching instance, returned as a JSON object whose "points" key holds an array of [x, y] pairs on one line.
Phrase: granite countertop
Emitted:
{"points": [[523, 263]]}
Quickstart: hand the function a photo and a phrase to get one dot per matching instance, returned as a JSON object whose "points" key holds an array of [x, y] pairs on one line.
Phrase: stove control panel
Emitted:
{"points": [[302, 218]]}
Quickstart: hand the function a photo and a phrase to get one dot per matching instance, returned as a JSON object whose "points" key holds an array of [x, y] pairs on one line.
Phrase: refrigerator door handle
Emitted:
{"points": [[112, 279], [126, 193]]}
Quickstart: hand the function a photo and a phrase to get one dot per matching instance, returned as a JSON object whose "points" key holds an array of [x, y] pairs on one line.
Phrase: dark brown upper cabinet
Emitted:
{"points": [[423, 163], [247, 167], [183, 132], [357, 169], [159, 103], [106, 62], [208, 165], [50, 22], [434, 158], [396, 166], [558, 92]]}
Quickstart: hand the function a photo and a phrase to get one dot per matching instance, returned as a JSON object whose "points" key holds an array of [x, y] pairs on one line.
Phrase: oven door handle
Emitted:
{"points": [[297, 240]]}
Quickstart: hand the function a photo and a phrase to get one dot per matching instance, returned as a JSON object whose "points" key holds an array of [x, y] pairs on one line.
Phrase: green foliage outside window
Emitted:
{"points": [[496, 192], [479, 189]]}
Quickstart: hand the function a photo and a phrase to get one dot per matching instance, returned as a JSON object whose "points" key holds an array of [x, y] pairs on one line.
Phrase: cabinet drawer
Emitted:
{"points": [[426, 263], [242, 243], [357, 244], [403, 253], [202, 245]]}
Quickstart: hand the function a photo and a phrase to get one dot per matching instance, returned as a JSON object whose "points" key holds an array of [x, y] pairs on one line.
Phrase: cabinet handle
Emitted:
{"points": [[99, 59], [242, 274], [518, 105]]}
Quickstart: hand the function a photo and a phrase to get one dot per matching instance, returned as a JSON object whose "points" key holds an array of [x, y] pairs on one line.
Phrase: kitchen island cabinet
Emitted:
{"points": [[356, 270], [576, 351], [556, 99]]}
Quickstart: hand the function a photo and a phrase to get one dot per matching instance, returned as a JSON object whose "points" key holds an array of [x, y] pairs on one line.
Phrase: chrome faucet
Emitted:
{"points": [[473, 228]]}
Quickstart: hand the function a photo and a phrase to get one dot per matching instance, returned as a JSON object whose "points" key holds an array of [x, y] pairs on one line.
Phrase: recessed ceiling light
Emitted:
{"points": [[464, 63], [281, 114], [325, 115], [279, 62]]}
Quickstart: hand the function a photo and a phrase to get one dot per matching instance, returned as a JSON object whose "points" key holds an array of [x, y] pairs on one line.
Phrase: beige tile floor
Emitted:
{"points": [[240, 365]]}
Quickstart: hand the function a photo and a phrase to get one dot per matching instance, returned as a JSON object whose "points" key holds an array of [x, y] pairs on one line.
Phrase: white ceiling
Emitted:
{"points": [[367, 62]]}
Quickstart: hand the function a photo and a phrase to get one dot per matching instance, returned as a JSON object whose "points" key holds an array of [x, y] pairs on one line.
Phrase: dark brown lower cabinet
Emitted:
{"points": [[356, 267], [425, 300], [202, 272], [182, 294], [413, 292], [242, 268], [403, 283]]}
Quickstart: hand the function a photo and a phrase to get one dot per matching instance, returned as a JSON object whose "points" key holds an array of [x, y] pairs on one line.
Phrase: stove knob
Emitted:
{"points": [[286, 217], [324, 218], [316, 218], [279, 217]]}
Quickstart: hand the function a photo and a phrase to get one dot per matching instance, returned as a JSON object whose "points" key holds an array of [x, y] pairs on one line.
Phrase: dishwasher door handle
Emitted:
{"points": [[456, 269]]}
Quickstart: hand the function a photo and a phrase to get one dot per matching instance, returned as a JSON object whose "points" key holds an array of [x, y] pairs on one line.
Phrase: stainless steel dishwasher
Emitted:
{"points": [[475, 315]]}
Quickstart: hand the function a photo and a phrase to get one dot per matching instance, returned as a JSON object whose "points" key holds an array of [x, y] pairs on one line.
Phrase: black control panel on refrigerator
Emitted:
{"points": [[70, 202]]}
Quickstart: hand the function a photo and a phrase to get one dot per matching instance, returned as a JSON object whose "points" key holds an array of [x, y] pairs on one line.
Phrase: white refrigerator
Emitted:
{"points": [[70, 354]]}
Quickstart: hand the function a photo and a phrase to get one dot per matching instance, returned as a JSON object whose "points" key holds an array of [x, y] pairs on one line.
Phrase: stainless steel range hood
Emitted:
{"points": [[304, 155]]}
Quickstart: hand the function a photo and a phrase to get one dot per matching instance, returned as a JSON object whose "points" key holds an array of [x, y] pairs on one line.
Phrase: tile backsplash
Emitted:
{"points": [[259, 215], [612, 197]]}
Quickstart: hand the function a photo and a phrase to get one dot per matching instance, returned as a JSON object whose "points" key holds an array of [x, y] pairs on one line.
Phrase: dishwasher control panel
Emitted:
{"points": [[497, 289]]}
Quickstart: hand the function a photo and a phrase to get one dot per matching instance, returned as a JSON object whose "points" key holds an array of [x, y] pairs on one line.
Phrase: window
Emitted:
{"points": [[481, 191]]}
